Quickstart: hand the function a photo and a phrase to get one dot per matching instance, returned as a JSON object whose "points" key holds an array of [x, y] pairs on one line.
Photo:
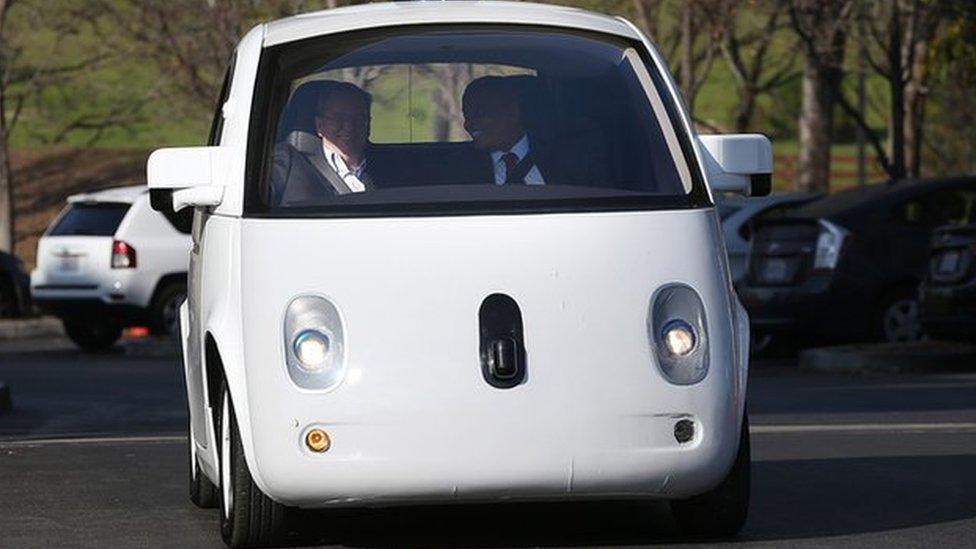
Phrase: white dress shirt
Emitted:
{"points": [[349, 176], [521, 148]]}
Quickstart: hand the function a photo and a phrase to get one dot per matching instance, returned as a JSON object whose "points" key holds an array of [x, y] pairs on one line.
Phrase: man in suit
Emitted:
{"points": [[493, 116], [334, 160]]}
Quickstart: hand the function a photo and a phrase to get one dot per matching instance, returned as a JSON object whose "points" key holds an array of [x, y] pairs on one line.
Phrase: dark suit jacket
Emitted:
{"points": [[570, 163]]}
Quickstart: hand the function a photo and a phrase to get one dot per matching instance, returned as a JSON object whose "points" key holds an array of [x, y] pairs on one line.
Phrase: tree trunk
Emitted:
{"points": [[687, 59], [6, 179], [647, 16], [914, 119], [896, 135], [6, 189], [744, 110], [816, 121], [916, 94]]}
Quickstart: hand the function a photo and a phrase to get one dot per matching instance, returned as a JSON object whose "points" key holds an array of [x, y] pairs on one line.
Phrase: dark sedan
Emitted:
{"points": [[847, 267], [14, 287], [947, 300]]}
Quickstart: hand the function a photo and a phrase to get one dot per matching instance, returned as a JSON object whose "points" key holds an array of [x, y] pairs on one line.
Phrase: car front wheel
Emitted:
{"points": [[720, 512], [248, 518]]}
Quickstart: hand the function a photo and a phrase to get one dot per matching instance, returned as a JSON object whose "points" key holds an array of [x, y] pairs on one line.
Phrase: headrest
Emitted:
{"points": [[299, 113], [537, 108]]}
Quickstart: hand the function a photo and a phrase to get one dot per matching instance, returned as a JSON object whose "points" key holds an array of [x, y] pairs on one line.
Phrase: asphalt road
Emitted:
{"points": [[93, 455]]}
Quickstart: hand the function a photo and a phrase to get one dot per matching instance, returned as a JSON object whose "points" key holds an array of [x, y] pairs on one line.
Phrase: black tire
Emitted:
{"points": [[8, 299], [203, 493], [248, 518], [165, 312], [722, 511], [94, 337]]}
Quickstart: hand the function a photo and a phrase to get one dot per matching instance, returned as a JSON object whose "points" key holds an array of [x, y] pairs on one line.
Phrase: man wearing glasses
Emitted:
{"points": [[342, 122], [326, 154]]}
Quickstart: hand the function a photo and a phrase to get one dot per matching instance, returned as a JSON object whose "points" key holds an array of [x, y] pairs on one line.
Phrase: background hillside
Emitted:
{"points": [[46, 176]]}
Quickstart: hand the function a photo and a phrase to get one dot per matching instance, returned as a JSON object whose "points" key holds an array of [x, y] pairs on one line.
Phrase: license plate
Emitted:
{"points": [[949, 262], [775, 270], [70, 264]]}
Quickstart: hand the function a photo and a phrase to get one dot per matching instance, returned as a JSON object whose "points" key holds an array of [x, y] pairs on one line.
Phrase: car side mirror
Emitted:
{"points": [[738, 163], [181, 177]]}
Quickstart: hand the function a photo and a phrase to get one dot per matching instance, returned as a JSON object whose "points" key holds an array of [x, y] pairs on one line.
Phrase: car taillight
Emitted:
{"points": [[123, 255]]}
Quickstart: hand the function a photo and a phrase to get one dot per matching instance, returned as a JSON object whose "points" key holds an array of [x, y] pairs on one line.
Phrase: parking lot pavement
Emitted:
{"points": [[59, 391], [839, 462]]}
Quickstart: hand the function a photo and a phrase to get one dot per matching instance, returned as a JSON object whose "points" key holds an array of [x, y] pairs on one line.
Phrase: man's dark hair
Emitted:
{"points": [[334, 87], [497, 86]]}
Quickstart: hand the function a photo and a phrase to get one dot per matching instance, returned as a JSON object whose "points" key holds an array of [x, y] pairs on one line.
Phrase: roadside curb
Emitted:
{"points": [[31, 328], [891, 358]]}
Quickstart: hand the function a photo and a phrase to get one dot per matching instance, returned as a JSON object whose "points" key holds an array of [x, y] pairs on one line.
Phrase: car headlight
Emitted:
{"points": [[311, 348], [314, 343], [677, 334], [829, 244], [679, 337]]}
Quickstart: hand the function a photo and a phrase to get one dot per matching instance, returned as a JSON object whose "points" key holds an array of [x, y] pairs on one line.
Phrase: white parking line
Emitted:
{"points": [[862, 428], [93, 441]]}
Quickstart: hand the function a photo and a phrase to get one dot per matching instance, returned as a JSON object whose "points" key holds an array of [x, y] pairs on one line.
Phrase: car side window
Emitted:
{"points": [[943, 207], [912, 212], [776, 212], [952, 206]]}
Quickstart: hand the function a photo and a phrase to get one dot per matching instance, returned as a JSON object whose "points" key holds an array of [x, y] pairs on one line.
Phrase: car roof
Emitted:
{"points": [[392, 14], [127, 195], [851, 202]]}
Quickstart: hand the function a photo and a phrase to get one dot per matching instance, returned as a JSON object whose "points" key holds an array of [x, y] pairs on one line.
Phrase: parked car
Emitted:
{"points": [[14, 287], [847, 267], [740, 214], [109, 261], [947, 302], [426, 331]]}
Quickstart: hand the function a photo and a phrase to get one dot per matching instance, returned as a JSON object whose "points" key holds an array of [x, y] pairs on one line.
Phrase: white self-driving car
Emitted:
{"points": [[109, 261], [389, 305]]}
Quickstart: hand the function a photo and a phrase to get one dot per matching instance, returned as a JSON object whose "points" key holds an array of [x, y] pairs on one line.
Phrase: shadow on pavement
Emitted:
{"points": [[792, 500], [59, 391], [504, 525], [812, 498]]}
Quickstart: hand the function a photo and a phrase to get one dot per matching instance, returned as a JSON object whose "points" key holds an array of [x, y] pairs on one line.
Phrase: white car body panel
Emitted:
{"points": [[413, 419], [426, 13], [160, 250], [602, 415]]}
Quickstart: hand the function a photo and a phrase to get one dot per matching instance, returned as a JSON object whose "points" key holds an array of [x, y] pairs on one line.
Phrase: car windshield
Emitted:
{"points": [[80, 219], [449, 119]]}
